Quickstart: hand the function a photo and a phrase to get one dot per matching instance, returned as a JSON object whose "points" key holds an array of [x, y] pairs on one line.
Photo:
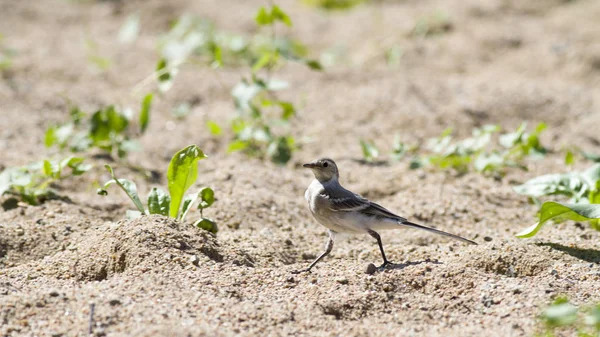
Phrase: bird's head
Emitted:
{"points": [[324, 169]]}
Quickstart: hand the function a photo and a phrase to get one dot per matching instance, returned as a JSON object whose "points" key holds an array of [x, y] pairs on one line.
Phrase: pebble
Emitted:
{"points": [[371, 269], [487, 239], [342, 280], [114, 301]]}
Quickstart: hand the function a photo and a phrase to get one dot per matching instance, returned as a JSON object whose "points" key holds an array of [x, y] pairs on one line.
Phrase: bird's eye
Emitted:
{"points": [[325, 164]]}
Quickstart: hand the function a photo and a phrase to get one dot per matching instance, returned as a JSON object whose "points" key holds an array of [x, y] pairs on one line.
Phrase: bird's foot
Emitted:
{"points": [[385, 264], [300, 271]]}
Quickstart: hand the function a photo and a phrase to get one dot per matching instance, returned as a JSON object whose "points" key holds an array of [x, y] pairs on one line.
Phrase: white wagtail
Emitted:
{"points": [[343, 211]]}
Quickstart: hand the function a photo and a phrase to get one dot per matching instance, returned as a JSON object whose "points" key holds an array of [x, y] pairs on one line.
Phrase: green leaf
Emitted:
{"points": [[569, 158], [369, 151], [188, 201], [280, 150], [164, 76], [263, 17], [214, 128], [182, 173], [126, 185], [287, 110], [48, 169], [207, 197], [314, 64], [145, 112], [105, 125], [278, 14], [130, 29], [158, 202], [556, 211], [560, 314], [237, 145], [207, 225], [264, 60], [591, 156], [50, 136]]}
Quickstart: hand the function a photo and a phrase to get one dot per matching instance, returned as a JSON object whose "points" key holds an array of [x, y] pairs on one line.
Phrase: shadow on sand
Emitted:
{"points": [[588, 255], [400, 266]]}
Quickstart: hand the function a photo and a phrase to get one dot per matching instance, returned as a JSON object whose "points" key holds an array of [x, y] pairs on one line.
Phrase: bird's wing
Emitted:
{"points": [[356, 203]]}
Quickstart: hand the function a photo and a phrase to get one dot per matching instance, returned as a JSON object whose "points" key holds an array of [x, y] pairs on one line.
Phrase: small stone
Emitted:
{"points": [[487, 239], [20, 231], [54, 293], [49, 215], [371, 269], [114, 301], [194, 260], [554, 272], [342, 280], [388, 287], [291, 279]]}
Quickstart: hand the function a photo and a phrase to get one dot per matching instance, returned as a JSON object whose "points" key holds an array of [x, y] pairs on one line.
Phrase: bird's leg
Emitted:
{"points": [[378, 238], [328, 248]]}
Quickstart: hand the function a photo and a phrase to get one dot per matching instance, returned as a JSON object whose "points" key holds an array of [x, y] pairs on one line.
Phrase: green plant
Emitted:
{"points": [[108, 129], [33, 183], [583, 188], [197, 41], [334, 5], [257, 119], [563, 316], [181, 175], [480, 154], [262, 118], [369, 150]]}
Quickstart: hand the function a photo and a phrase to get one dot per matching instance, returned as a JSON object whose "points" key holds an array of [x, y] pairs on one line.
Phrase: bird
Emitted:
{"points": [[343, 211]]}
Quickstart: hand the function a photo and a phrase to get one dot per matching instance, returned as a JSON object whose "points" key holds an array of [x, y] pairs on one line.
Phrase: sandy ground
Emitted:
{"points": [[503, 62]]}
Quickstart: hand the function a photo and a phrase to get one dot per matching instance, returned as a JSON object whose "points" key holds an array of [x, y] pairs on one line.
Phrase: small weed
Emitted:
{"points": [[33, 183], [334, 5], [369, 150], [562, 316], [108, 129], [479, 153], [181, 175], [582, 187], [197, 41], [261, 115], [130, 29]]}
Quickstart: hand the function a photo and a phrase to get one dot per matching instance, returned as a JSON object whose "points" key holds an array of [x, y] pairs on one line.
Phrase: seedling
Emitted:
{"points": [[478, 152], [108, 129], [563, 316], [369, 150], [582, 187], [261, 114], [253, 128], [33, 183], [334, 5], [197, 41], [181, 175]]}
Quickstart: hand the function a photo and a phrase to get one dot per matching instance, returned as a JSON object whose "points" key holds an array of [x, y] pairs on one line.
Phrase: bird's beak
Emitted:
{"points": [[309, 165]]}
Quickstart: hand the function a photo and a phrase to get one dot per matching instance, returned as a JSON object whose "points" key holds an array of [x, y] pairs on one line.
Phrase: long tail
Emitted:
{"points": [[429, 229]]}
